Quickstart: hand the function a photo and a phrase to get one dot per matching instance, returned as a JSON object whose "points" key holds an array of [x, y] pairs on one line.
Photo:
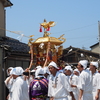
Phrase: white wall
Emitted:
{"points": [[95, 49]]}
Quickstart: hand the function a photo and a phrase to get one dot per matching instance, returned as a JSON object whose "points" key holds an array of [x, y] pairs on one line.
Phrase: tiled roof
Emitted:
{"points": [[80, 50], [14, 45], [88, 52]]}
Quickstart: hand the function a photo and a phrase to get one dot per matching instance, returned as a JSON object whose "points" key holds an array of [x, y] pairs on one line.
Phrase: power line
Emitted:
{"points": [[82, 37], [22, 35], [76, 28], [86, 41], [15, 32]]}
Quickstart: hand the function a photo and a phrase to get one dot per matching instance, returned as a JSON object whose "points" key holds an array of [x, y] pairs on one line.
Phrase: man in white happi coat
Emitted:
{"points": [[9, 82], [74, 83], [85, 81], [68, 71], [58, 84], [19, 89], [96, 80]]}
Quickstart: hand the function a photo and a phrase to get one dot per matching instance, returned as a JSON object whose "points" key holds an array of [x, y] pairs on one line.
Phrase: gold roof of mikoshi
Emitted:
{"points": [[47, 39]]}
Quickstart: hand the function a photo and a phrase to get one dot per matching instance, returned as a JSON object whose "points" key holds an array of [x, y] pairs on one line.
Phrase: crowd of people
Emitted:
{"points": [[50, 83]]}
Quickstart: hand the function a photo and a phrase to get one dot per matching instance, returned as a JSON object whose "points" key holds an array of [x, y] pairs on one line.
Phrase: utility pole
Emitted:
{"points": [[99, 43], [99, 37]]}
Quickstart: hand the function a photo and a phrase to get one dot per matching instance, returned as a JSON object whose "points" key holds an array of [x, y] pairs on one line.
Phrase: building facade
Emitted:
{"points": [[3, 4], [72, 55], [12, 52], [95, 48]]}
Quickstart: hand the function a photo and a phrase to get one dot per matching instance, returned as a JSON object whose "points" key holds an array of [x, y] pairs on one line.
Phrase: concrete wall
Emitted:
{"points": [[2, 19], [95, 49]]}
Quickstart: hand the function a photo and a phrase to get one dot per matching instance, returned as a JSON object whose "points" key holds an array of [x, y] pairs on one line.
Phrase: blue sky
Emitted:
{"points": [[77, 19]]}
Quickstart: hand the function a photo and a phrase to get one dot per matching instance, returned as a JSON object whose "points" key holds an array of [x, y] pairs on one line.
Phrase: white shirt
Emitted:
{"points": [[19, 90], [74, 81], [9, 84], [85, 81], [96, 79], [58, 86], [85, 84], [96, 83], [69, 80]]}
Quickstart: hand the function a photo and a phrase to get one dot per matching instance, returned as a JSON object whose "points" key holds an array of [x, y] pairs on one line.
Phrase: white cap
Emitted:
{"points": [[33, 70], [39, 71], [76, 70], [68, 68], [95, 64], [38, 67], [8, 69], [52, 63], [83, 63], [46, 70], [17, 71]]}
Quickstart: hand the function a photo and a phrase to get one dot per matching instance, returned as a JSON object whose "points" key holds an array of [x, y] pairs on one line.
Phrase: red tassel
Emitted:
{"points": [[48, 29], [40, 29]]}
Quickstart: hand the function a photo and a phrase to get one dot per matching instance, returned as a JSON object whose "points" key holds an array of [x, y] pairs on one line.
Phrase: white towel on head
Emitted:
{"points": [[46, 70], [38, 67], [8, 69], [69, 68], [76, 70], [83, 63], [95, 64], [52, 63], [39, 73], [17, 71]]}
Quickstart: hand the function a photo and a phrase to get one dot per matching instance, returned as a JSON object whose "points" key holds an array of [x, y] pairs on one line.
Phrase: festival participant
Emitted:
{"points": [[74, 83], [96, 80], [32, 74], [58, 84], [8, 82], [29, 76], [68, 71], [76, 72], [46, 72], [19, 89], [39, 86], [37, 67], [85, 81]]}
